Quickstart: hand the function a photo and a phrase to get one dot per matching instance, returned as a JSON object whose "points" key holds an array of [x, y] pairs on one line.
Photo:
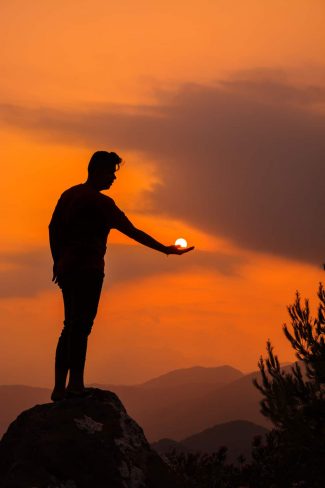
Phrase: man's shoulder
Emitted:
{"points": [[73, 189], [106, 199], [70, 194], [82, 192]]}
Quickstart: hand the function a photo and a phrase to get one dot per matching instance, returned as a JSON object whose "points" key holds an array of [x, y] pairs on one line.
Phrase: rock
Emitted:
{"points": [[88, 442]]}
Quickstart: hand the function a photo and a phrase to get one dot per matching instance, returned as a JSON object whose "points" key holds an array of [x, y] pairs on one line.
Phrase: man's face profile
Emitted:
{"points": [[109, 178], [106, 178]]}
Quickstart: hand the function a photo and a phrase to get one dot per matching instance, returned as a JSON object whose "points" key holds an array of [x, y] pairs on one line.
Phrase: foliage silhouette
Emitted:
{"points": [[202, 470], [293, 453], [295, 403]]}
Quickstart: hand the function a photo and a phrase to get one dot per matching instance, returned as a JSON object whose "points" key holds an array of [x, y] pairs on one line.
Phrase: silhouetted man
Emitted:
{"points": [[78, 229]]}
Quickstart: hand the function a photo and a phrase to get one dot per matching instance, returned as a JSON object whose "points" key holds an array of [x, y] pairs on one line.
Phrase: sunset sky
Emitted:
{"points": [[218, 110]]}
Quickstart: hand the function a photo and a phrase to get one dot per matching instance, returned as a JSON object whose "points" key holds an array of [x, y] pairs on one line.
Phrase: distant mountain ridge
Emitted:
{"points": [[237, 436], [199, 374], [176, 411], [159, 404]]}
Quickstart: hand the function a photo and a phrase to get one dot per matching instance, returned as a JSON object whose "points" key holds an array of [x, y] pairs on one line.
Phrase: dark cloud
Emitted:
{"points": [[244, 159], [28, 274]]}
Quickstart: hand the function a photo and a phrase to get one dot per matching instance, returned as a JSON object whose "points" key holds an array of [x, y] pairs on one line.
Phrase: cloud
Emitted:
{"points": [[29, 273], [243, 158]]}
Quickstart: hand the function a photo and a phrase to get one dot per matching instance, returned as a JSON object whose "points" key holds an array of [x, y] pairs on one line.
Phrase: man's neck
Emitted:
{"points": [[92, 184]]}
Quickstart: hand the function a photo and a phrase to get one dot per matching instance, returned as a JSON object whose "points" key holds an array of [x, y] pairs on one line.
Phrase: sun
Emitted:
{"points": [[181, 242]]}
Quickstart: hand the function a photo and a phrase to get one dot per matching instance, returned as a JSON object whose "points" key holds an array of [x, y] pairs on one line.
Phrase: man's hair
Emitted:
{"points": [[103, 160]]}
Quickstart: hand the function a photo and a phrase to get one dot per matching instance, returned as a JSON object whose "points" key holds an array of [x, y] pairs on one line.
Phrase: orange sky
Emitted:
{"points": [[64, 65]]}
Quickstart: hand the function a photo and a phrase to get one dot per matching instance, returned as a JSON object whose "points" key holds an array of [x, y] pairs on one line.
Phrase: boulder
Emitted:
{"points": [[88, 442]]}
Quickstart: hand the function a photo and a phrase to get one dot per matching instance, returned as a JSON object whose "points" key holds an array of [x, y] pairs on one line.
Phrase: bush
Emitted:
{"points": [[293, 455], [294, 401]]}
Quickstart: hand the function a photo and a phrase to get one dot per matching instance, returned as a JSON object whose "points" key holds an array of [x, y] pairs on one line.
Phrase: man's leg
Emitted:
{"points": [[87, 290], [62, 356], [81, 297]]}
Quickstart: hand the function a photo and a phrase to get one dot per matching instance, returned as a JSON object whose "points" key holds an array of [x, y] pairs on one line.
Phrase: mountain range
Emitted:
{"points": [[183, 402]]}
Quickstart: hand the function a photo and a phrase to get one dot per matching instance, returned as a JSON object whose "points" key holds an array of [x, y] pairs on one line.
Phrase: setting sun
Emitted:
{"points": [[181, 242]]}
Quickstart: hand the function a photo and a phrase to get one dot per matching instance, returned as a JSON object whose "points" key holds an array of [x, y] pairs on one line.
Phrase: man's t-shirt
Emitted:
{"points": [[79, 229]]}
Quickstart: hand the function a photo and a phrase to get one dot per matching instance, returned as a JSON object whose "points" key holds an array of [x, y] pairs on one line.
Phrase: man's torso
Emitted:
{"points": [[79, 229]]}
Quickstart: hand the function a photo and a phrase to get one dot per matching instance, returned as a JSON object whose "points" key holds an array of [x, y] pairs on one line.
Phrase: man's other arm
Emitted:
{"points": [[55, 236], [54, 245]]}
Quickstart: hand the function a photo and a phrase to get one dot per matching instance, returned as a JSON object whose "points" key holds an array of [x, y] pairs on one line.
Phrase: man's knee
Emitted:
{"points": [[82, 326], [86, 329], [78, 327]]}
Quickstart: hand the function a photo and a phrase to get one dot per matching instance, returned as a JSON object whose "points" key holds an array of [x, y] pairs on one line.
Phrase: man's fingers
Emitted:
{"points": [[182, 251], [178, 250]]}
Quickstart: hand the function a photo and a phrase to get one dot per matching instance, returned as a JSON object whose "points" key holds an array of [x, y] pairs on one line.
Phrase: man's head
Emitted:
{"points": [[102, 167]]}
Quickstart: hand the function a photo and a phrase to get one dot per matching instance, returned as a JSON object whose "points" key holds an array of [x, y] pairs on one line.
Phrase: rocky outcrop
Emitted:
{"points": [[80, 443]]}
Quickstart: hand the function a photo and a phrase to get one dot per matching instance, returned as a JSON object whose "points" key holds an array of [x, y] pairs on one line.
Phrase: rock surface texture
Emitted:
{"points": [[88, 442]]}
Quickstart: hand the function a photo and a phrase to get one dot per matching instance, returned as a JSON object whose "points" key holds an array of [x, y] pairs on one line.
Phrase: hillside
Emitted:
{"points": [[236, 435], [196, 374], [177, 411]]}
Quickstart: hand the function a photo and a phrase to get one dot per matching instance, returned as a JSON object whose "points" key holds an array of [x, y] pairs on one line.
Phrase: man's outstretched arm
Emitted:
{"points": [[146, 240]]}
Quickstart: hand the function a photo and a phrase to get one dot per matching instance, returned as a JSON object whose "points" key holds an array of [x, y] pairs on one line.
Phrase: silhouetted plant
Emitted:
{"points": [[295, 403], [308, 337], [293, 454]]}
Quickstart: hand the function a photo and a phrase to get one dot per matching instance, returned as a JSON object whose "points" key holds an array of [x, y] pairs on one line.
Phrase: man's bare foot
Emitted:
{"points": [[57, 395]]}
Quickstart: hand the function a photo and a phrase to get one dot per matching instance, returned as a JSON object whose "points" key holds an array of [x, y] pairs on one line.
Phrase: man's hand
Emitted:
{"points": [[178, 250]]}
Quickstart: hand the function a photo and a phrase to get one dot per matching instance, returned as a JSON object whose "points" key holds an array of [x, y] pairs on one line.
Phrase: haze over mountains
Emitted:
{"points": [[175, 405]]}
